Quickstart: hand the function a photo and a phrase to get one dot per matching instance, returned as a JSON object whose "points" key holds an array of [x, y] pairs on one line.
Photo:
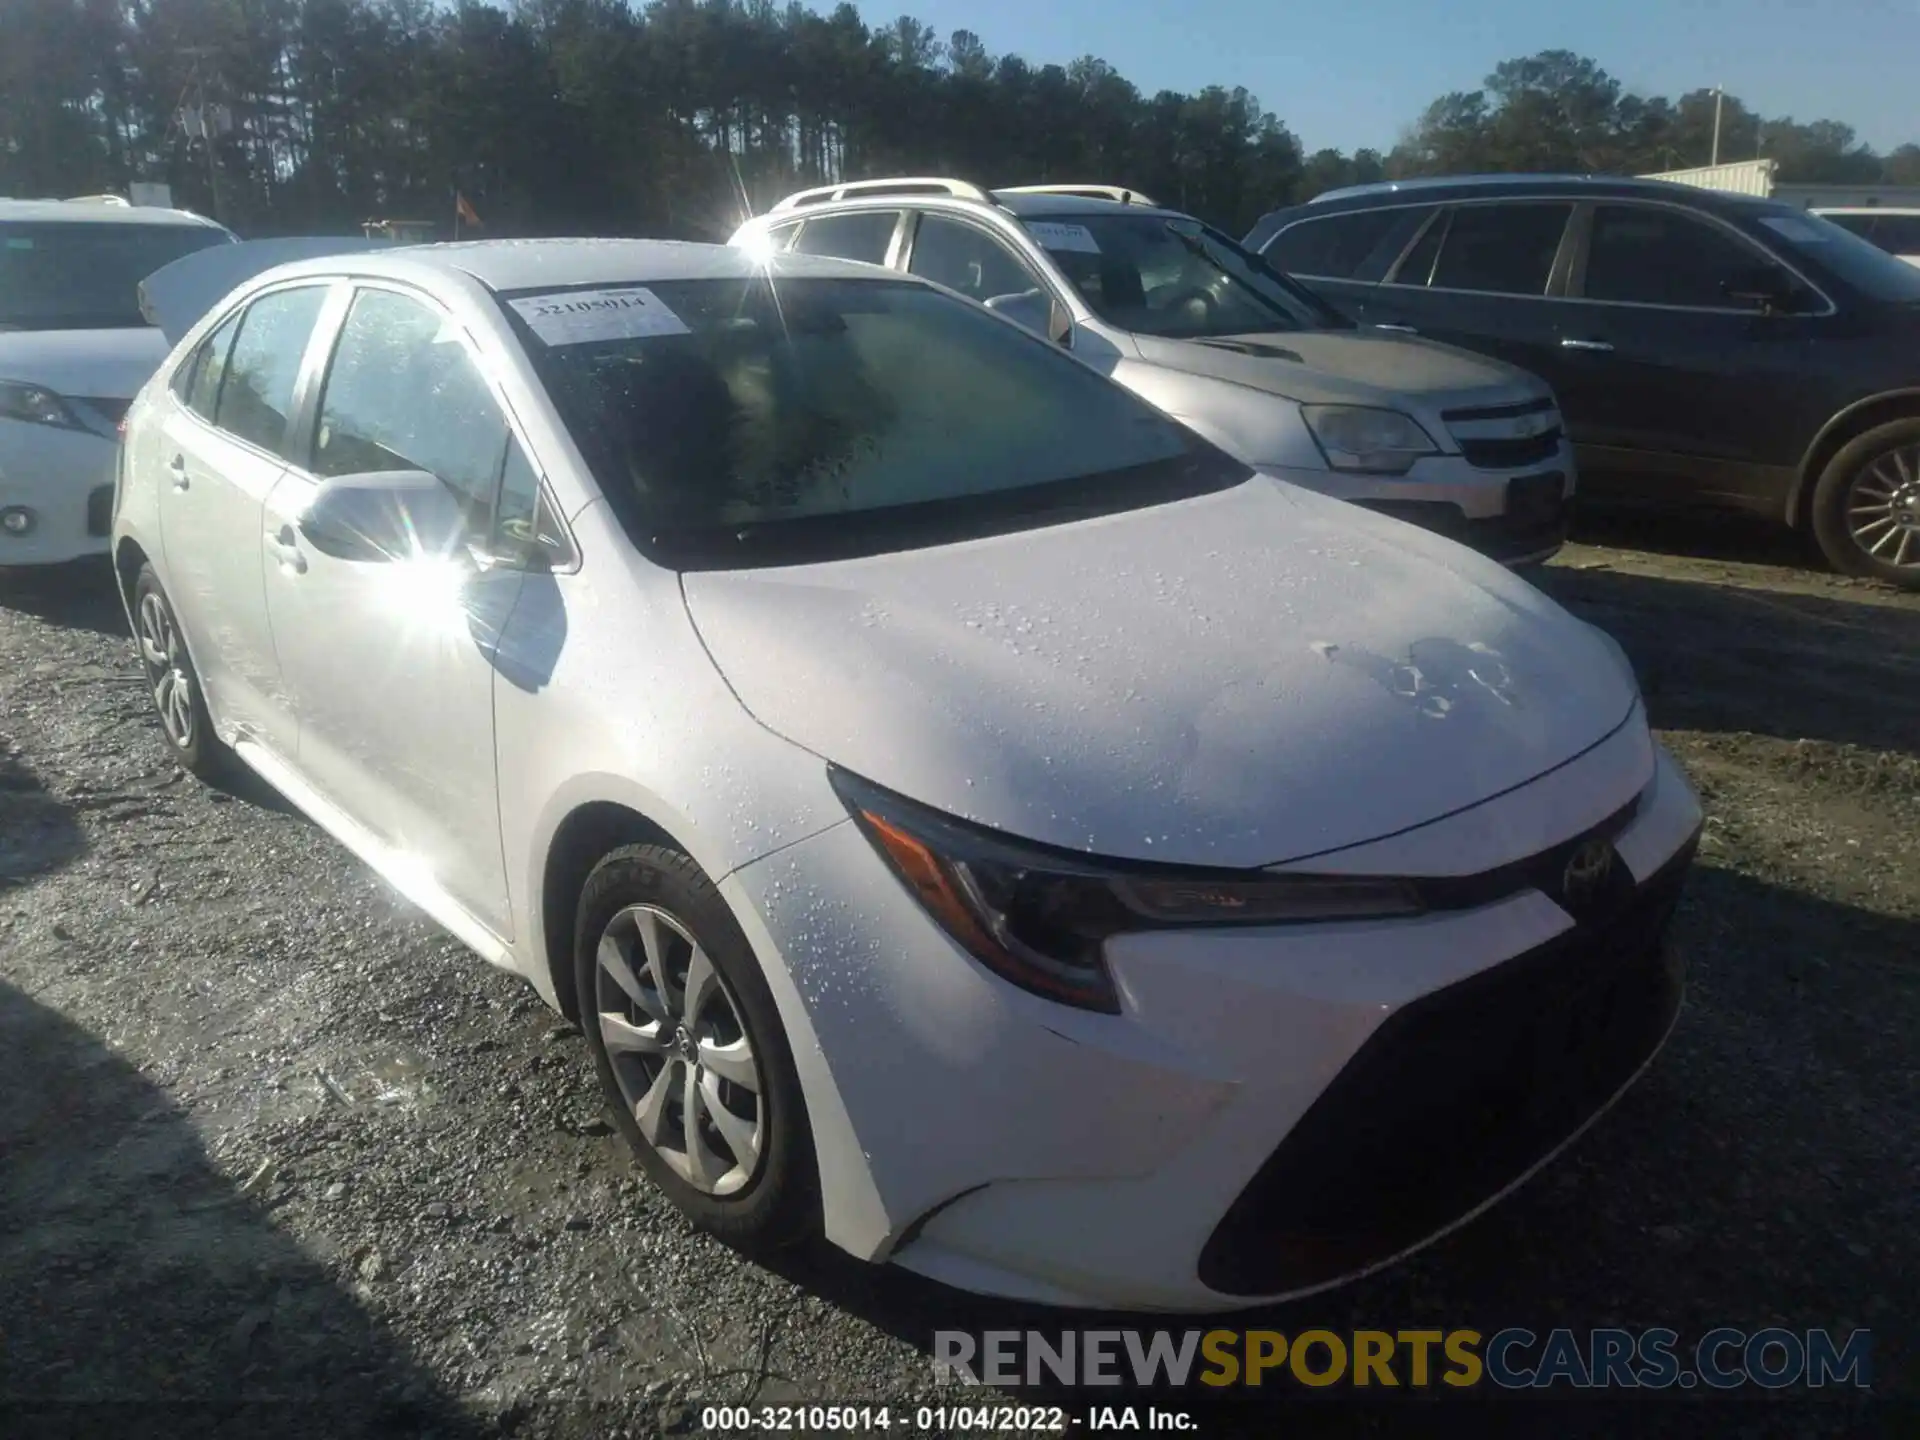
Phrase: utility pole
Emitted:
{"points": [[203, 114], [1719, 94]]}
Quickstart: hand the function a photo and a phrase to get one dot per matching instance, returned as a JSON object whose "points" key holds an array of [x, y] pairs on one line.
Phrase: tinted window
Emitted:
{"points": [[781, 237], [209, 367], [1898, 234], [1500, 249], [860, 235], [967, 259], [1416, 266], [257, 390], [1335, 247], [800, 417], [1654, 256], [1861, 225], [1172, 276], [403, 393], [75, 275], [1823, 248]]}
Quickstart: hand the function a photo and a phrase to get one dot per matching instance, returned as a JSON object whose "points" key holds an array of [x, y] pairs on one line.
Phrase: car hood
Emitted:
{"points": [[102, 364], [1342, 367], [1242, 679]]}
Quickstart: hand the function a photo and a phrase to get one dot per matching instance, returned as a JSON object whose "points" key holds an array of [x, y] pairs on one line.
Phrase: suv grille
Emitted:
{"points": [[1504, 437], [1455, 1097]]}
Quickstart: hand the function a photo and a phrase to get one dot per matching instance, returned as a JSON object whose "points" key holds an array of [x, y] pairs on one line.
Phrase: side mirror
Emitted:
{"points": [[1764, 289], [1038, 312], [384, 515]]}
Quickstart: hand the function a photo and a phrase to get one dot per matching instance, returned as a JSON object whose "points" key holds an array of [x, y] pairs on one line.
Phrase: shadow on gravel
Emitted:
{"points": [[1759, 1174], [1725, 658], [37, 832], [1700, 534], [75, 596], [142, 1294]]}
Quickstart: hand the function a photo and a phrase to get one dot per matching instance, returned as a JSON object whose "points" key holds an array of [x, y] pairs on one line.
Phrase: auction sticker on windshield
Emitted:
{"points": [[1053, 235], [579, 317]]}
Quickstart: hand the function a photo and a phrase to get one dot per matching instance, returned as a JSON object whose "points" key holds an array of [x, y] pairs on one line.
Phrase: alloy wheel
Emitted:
{"points": [[682, 1059], [1883, 508], [167, 672]]}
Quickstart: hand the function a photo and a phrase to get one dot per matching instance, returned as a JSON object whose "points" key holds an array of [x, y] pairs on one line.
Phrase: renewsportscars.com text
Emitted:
{"points": [[1511, 1358]]}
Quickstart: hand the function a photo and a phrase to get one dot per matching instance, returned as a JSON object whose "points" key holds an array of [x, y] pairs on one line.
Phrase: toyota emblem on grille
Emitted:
{"points": [[1586, 873]]}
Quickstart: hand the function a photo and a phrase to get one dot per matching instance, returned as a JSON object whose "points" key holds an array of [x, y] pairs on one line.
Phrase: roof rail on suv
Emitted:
{"points": [[1085, 192], [1422, 182], [907, 185], [119, 200]]}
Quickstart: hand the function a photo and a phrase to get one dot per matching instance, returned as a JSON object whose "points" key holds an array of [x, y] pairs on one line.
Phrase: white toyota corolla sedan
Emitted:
{"points": [[964, 810]]}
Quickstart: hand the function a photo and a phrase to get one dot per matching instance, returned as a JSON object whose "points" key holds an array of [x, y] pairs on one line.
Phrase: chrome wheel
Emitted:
{"points": [[681, 1057], [166, 661], [1883, 508]]}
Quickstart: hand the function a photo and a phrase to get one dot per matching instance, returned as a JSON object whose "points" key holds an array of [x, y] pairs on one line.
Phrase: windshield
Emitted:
{"points": [[1824, 248], [82, 275], [1173, 277], [769, 420]]}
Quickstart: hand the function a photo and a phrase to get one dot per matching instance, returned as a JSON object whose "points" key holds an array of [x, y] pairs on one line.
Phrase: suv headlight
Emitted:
{"points": [[1376, 442], [36, 405], [1039, 917]]}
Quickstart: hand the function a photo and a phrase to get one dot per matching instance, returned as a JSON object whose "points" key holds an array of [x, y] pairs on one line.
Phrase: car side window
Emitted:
{"points": [[1651, 255], [525, 524], [256, 392], [781, 238], [403, 393], [199, 379], [1339, 246], [862, 235], [1503, 249], [965, 258]]}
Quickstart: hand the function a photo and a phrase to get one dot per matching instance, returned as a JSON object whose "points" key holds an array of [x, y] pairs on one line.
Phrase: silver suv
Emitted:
{"points": [[1188, 319]]}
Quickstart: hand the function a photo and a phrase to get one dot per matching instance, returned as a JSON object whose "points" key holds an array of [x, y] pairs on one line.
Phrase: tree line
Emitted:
{"points": [[677, 118]]}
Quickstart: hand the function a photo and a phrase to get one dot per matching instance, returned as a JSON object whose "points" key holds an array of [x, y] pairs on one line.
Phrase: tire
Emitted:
{"points": [[1860, 502], [173, 683], [751, 1193]]}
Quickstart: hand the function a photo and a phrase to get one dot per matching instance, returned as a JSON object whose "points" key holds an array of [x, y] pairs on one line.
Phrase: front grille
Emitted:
{"points": [[1455, 1097], [100, 510], [1535, 518], [1505, 437]]}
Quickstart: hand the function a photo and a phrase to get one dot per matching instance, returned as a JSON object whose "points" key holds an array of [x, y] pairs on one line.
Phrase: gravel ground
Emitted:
{"points": [[282, 1158]]}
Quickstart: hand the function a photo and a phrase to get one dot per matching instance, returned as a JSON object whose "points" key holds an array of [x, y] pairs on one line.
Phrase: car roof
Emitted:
{"points": [[98, 212], [533, 264], [1440, 188], [1866, 209], [1025, 205]]}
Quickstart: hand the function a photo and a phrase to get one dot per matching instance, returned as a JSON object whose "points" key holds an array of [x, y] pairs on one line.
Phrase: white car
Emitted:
{"points": [[965, 810], [73, 350]]}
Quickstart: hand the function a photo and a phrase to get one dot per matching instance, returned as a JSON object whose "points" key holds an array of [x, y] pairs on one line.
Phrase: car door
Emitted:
{"points": [[221, 452], [1674, 377], [1478, 276], [389, 663]]}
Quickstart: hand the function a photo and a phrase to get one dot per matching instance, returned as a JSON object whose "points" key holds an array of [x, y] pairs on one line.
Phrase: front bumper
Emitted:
{"points": [[63, 481], [1213, 1145], [1517, 516]]}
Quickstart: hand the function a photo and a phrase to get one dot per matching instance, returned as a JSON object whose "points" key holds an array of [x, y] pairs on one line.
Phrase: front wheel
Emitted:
{"points": [[1866, 508], [690, 1050]]}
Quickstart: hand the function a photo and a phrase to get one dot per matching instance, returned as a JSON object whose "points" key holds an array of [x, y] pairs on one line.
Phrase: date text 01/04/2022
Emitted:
{"points": [[937, 1419]]}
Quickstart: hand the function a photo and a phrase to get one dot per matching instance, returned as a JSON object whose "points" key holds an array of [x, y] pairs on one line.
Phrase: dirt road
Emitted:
{"points": [[271, 1139]]}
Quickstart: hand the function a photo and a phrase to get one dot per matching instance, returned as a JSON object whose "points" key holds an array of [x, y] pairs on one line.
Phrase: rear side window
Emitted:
{"points": [[198, 381], [1500, 249], [1896, 234], [1648, 255], [862, 235], [256, 392], [965, 258], [403, 393], [1339, 247]]}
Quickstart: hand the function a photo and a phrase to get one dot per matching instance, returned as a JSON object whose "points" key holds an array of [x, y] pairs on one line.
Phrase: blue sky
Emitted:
{"points": [[1348, 73]]}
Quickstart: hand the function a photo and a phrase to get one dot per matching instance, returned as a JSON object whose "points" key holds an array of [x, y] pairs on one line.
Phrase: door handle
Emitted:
{"points": [[285, 546], [177, 468], [1597, 347], [1396, 329]]}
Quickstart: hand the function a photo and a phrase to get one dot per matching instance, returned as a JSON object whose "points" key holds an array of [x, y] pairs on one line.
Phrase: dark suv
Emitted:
{"points": [[1705, 347]]}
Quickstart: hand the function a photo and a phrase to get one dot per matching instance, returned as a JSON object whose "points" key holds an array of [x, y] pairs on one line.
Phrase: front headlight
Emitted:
{"points": [[1040, 917], [36, 405], [1377, 442]]}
